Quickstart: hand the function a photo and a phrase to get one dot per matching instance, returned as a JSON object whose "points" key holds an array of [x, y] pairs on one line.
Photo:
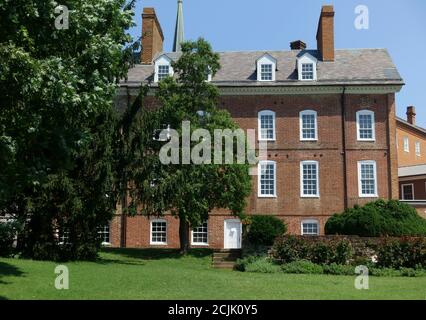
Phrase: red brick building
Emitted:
{"points": [[328, 116], [411, 144]]}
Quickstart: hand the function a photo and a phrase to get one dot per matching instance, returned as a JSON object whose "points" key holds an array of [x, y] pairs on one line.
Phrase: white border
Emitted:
{"points": [[308, 112], [259, 165], [302, 195], [361, 195], [373, 125]]}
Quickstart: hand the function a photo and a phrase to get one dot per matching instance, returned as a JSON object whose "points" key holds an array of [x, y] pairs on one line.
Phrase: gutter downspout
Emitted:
{"points": [[345, 178]]}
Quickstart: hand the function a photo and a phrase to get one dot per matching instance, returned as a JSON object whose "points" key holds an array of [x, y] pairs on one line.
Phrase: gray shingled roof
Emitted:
{"points": [[356, 66]]}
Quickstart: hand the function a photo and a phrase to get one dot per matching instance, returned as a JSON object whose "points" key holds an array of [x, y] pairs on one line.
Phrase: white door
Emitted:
{"points": [[232, 237]]}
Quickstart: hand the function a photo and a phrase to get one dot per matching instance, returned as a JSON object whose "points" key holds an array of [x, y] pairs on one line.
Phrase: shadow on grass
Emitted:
{"points": [[8, 270], [150, 254]]}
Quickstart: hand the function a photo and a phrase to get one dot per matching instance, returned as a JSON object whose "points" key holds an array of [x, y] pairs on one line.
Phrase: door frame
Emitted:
{"points": [[239, 235]]}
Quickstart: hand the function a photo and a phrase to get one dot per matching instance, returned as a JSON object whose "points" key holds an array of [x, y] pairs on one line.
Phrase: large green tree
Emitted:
{"points": [[189, 191], [57, 120]]}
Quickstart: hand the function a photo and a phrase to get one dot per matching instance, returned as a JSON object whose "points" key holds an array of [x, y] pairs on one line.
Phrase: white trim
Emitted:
{"points": [[307, 58], [373, 125], [259, 189], [162, 60], [311, 221], [239, 235], [406, 146], [402, 190], [266, 59], [417, 148], [150, 232], [302, 195], [200, 243], [361, 195], [303, 113], [266, 113]]}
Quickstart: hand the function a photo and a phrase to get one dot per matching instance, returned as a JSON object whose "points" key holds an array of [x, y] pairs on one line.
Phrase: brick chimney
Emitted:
{"points": [[297, 45], [325, 34], [152, 36], [411, 115]]}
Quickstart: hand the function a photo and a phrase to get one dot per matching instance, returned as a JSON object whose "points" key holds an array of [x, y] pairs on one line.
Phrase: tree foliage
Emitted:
{"points": [[57, 121], [187, 191], [379, 218]]}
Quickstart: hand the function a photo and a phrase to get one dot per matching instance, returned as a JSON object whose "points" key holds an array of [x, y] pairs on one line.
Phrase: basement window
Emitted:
{"points": [[159, 232], [104, 234], [200, 235], [310, 228]]}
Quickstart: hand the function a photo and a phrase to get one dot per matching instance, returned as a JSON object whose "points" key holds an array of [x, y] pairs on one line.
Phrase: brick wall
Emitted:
{"points": [[410, 158], [288, 151]]}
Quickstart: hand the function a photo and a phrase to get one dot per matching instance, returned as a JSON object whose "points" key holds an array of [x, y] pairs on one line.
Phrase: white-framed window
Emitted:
{"points": [[307, 67], [266, 125], [267, 179], [104, 233], [309, 227], [159, 232], [266, 72], [418, 150], [307, 71], [63, 236], [406, 144], [163, 72], [200, 235], [308, 125], [309, 179], [266, 66], [367, 179], [163, 68], [365, 125], [407, 191]]}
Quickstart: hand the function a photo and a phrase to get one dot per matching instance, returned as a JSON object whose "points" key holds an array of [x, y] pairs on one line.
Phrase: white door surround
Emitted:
{"points": [[232, 234]]}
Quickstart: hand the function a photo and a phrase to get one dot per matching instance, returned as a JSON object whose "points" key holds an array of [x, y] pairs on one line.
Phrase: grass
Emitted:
{"points": [[163, 274]]}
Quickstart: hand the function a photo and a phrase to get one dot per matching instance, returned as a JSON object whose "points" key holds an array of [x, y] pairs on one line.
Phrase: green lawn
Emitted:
{"points": [[147, 274]]}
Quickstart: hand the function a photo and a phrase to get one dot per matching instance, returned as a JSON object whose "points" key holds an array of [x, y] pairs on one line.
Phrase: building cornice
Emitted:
{"points": [[286, 90]]}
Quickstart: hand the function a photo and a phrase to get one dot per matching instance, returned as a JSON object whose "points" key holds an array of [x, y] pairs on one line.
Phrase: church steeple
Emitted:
{"points": [[179, 31]]}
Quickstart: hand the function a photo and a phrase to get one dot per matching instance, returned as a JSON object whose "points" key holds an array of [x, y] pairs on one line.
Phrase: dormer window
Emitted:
{"points": [[307, 67], [266, 72], [266, 67], [163, 72], [307, 71], [163, 68]]}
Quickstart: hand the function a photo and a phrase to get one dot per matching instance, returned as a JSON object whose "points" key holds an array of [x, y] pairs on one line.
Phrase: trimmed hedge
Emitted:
{"points": [[329, 250], [263, 230], [402, 253], [379, 218]]}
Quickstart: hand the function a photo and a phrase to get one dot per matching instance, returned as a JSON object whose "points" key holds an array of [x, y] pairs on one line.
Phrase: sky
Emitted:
{"points": [[236, 25]]}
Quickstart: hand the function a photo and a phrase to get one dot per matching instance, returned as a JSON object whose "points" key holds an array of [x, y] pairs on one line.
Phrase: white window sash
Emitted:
{"points": [[259, 179], [403, 193], [361, 194], [266, 113], [307, 113], [316, 222], [195, 243], [302, 191], [152, 242], [373, 125]]}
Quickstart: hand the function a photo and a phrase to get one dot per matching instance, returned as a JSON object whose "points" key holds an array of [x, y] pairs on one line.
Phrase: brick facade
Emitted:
{"points": [[337, 150], [287, 151]]}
